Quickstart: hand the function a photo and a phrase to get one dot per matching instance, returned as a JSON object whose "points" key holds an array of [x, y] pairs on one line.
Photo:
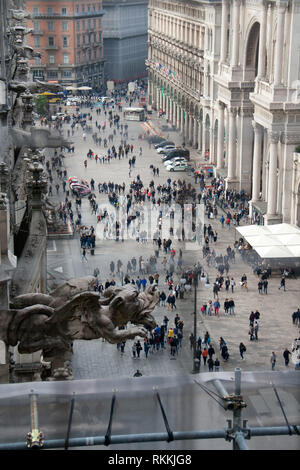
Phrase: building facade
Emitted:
{"points": [[125, 25], [69, 35], [227, 74]]}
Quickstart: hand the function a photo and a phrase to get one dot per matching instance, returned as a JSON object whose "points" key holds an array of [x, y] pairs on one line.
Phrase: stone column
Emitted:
{"points": [[281, 6], [220, 148], [272, 176], [186, 127], [224, 26], [182, 121], [203, 134], [235, 33], [262, 44], [269, 38], [256, 161], [195, 137], [232, 144], [191, 118], [200, 134]]}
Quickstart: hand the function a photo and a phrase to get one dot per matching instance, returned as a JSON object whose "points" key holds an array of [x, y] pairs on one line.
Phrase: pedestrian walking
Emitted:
{"points": [[83, 255], [210, 363], [217, 365], [204, 355], [242, 349], [138, 348], [286, 354], [282, 283], [273, 360]]}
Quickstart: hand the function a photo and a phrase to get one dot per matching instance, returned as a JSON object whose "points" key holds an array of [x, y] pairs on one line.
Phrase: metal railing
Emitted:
{"points": [[237, 430]]}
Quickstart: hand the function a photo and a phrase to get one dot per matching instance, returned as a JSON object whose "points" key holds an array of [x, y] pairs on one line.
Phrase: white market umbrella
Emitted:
{"points": [[288, 239], [82, 88], [252, 230], [263, 240], [283, 229], [274, 252]]}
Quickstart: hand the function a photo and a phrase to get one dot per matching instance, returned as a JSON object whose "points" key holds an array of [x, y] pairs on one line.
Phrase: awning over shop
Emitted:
{"points": [[273, 241]]}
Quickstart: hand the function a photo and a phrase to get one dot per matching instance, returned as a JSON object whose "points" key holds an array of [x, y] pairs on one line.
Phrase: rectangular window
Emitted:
{"points": [[83, 24], [78, 57], [78, 26], [36, 41], [64, 11], [50, 26], [50, 11], [94, 22], [67, 73], [51, 59], [83, 39], [38, 61], [38, 74], [66, 58], [36, 25], [50, 41], [65, 26], [65, 41], [35, 11], [52, 74], [77, 9], [78, 40], [89, 24]]}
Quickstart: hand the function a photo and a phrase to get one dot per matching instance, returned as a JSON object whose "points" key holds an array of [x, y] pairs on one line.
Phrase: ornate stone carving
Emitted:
{"points": [[273, 136], [39, 137], [33, 87], [51, 322]]}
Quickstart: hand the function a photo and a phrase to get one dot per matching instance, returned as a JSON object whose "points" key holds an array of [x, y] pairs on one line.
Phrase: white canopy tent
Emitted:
{"points": [[273, 241]]}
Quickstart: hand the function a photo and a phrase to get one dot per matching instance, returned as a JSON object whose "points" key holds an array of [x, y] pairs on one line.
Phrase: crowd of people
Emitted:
{"points": [[131, 200]]}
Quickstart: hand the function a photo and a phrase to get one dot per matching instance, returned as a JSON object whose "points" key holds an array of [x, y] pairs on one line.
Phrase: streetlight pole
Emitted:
{"points": [[196, 360]]}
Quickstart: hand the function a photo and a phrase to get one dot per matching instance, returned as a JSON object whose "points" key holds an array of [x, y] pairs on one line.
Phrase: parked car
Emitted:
{"points": [[165, 149], [80, 190], [179, 152], [164, 143], [178, 167], [57, 116], [155, 139], [75, 180], [175, 160]]}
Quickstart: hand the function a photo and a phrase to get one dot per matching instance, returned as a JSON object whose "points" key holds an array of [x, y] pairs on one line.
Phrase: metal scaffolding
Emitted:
{"points": [[237, 431]]}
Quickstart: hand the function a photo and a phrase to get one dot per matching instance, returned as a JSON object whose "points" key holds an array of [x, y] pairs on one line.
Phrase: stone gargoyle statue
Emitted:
{"points": [[26, 52], [34, 87], [39, 137], [51, 322]]}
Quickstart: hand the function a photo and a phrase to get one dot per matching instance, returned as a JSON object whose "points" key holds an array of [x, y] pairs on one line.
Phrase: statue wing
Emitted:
{"points": [[85, 301]]}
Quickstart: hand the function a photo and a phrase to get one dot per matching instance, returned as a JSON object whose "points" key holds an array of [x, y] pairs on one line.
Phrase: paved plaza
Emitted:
{"points": [[99, 359]]}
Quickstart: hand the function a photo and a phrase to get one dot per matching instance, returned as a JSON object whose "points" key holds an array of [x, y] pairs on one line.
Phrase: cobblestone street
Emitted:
{"points": [[98, 359]]}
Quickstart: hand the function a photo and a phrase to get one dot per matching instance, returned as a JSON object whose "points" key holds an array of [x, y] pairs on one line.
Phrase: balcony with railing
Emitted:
{"points": [[68, 15]]}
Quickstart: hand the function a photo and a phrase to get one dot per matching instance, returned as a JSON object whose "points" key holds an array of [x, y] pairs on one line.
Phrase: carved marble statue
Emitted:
{"points": [[39, 137], [34, 87], [26, 51], [19, 15], [51, 322]]}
